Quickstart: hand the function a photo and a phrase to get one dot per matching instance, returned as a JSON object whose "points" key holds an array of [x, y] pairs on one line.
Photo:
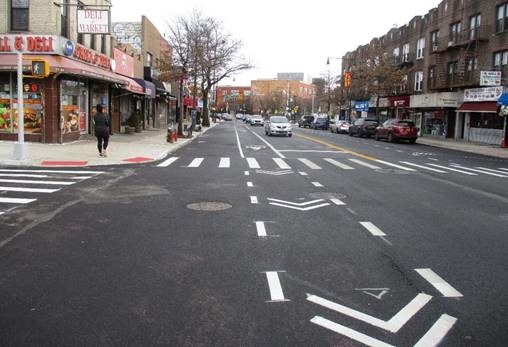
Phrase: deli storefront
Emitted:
{"points": [[60, 107]]}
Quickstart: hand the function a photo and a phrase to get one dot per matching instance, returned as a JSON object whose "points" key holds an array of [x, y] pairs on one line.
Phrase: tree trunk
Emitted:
{"points": [[205, 116], [180, 111]]}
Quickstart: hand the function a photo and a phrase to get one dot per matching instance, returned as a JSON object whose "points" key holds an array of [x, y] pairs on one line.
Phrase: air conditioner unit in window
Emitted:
{"points": [[434, 48], [450, 43]]}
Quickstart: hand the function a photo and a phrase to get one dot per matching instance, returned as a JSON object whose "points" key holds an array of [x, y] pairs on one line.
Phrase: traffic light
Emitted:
{"points": [[347, 79], [40, 68]]}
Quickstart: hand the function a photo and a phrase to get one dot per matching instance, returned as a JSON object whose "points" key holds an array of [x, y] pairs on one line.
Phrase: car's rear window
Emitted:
{"points": [[370, 122], [406, 123], [278, 120]]}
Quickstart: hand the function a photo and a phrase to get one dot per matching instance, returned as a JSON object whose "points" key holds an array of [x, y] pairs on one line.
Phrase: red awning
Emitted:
{"points": [[59, 64], [132, 86], [485, 107]]}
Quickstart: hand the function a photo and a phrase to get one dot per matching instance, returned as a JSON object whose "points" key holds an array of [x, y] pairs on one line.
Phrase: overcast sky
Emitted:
{"points": [[286, 35]]}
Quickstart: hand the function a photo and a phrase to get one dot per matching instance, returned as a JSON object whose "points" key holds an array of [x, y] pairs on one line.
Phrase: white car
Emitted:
{"points": [[278, 125], [256, 120]]}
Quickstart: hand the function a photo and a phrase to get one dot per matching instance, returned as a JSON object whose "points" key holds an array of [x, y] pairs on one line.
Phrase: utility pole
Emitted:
{"points": [[20, 148]]}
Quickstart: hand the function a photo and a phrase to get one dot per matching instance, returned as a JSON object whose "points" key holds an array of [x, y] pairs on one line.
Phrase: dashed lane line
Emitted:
{"points": [[374, 230]]}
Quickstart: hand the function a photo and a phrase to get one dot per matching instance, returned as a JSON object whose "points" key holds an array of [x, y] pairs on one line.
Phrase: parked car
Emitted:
{"points": [[320, 123], [363, 127], [239, 116], [305, 121], [247, 118], [395, 130], [256, 120], [278, 125], [339, 126], [227, 116]]}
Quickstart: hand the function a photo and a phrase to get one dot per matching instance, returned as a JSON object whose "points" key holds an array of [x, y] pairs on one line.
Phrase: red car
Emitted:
{"points": [[395, 130]]}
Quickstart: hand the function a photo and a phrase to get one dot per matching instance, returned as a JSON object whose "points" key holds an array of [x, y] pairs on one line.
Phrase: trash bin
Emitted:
{"points": [[172, 135]]}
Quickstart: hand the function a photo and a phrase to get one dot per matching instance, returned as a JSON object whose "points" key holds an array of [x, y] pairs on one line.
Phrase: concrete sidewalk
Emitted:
{"points": [[147, 146], [483, 149]]}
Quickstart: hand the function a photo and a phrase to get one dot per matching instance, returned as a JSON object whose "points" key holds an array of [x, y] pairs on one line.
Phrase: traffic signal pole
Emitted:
{"points": [[20, 147]]}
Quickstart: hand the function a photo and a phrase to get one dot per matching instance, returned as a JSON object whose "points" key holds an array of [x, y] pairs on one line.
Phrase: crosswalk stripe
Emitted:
{"points": [[370, 166], [309, 164], [54, 171], [339, 164], [16, 201], [253, 163], [423, 167], [502, 168], [196, 162], [281, 163], [28, 190], [224, 163], [24, 175], [479, 171], [56, 183], [317, 184], [451, 169], [484, 168], [395, 165], [168, 162]]}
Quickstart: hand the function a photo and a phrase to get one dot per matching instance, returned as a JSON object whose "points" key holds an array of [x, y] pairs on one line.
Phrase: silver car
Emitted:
{"points": [[278, 125], [257, 120]]}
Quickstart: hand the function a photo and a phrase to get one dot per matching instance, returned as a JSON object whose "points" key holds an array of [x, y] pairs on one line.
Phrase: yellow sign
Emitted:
{"points": [[40, 68]]}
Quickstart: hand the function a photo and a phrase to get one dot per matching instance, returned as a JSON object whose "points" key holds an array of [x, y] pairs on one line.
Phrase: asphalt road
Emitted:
{"points": [[243, 239]]}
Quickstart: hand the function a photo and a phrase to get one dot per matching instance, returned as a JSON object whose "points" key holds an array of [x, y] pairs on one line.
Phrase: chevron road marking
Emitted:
{"points": [[437, 332], [352, 334], [303, 209], [297, 203], [439, 283], [393, 325]]}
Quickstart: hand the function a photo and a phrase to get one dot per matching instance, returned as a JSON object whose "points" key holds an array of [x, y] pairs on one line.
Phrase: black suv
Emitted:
{"points": [[306, 121], [320, 123], [363, 127]]}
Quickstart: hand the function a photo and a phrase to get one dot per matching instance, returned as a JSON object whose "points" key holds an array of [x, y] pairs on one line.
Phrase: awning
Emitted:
{"points": [[63, 65], [149, 87], [132, 86], [503, 99], [485, 107]]}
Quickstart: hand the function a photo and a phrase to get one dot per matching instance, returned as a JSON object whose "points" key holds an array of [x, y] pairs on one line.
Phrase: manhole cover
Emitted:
{"points": [[209, 206], [392, 171], [326, 195]]}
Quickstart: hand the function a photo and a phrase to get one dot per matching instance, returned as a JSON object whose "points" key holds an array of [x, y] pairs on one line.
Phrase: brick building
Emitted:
{"points": [[58, 108], [275, 95], [456, 63], [231, 98]]}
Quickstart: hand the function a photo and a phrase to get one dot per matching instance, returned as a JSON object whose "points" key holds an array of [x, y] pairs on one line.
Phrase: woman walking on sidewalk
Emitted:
{"points": [[101, 122]]}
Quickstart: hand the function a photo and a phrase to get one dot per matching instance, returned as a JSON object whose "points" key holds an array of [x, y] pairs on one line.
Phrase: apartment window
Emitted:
{"points": [[92, 41], [434, 39], [148, 59], [472, 64], [420, 48], [64, 18], [501, 59], [451, 71], [502, 18], [474, 25], [432, 76], [396, 52], [454, 33], [103, 44], [405, 53], [418, 81], [19, 15]]}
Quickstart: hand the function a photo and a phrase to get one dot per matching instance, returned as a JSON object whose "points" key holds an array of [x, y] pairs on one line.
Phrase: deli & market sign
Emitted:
{"points": [[46, 44]]}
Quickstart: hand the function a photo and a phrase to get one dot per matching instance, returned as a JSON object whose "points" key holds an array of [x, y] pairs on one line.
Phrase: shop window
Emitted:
{"points": [[420, 48], [73, 106], [19, 15], [6, 124], [502, 18], [486, 121]]}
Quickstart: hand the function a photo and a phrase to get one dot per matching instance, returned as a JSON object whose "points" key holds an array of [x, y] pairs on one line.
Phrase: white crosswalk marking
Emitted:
{"points": [[54, 171], [309, 164], [423, 167], [28, 190], [503, 168], [395, 165], [56, 183], [24, 175], [338, 164], [224, 163], [451, 169], [479, 171], [253, 163], [168, 162], [196, 162], [281, 163], [370, 166], [16, 201], [497, 171]]}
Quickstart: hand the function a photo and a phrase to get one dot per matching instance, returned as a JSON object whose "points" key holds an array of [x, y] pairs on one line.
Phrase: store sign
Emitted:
{"points": [[483, 94], [47, 44], [92, 57], [490, 78], [434, 100], [399, 101], [124, 63], [93, 22], [361, 106]]}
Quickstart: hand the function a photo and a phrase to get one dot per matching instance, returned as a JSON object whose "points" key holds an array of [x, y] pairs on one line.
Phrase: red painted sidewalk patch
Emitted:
{"points": [[64, 163], [138, 159]]}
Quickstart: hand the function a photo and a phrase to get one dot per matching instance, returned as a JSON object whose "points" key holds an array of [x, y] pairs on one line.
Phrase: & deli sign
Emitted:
{"points": [[48, 44]]}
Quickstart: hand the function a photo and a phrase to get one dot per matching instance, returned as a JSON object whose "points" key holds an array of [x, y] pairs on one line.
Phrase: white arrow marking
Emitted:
{"points": [[296, 203], [300, 208], [368, 291], [260, 226], [352, 334], [437, 332], [393, 325], [439, 283]]}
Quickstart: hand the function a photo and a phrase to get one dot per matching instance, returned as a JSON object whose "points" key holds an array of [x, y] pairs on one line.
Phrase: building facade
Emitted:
{"points": [[232, 98], [292, 96], [455, 61], [60, 107]]}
